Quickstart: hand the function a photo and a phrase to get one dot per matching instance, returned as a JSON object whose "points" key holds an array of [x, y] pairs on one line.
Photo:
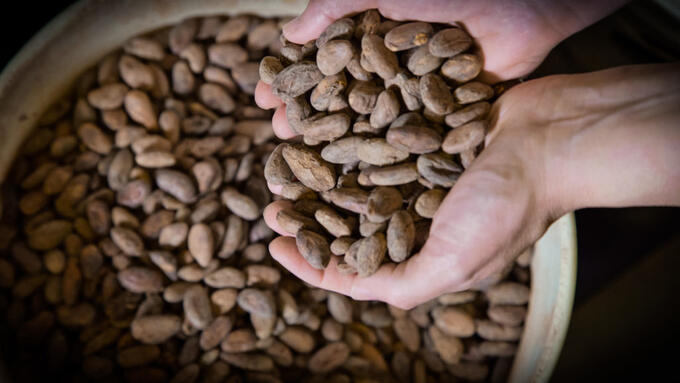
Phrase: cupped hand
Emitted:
{"points": [[555, 144], [489, 207], [512, 192], [496, 209], [514, 36]]}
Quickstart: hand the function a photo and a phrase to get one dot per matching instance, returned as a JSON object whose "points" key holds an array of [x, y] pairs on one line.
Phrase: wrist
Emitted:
{"points": [[569, 17], [612, 138]]}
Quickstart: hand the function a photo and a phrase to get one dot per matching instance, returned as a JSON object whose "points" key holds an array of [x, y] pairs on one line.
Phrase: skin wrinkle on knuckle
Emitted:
{"points": [[447, 260], [325, 281], [465, 272]]}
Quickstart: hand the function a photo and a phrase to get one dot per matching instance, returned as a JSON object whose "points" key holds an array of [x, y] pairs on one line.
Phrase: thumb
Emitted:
{"points": [[318, 15], [485, 220]]}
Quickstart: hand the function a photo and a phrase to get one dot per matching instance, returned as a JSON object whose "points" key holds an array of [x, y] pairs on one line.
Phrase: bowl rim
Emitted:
{"points": [[541, 349]]}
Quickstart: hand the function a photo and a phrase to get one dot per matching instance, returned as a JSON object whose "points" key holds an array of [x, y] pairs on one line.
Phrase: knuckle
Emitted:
{"points": [[461, 278]]}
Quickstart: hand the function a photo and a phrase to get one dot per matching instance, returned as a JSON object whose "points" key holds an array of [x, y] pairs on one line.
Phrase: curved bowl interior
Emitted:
{"points": [[553, 280], [47, 66]]}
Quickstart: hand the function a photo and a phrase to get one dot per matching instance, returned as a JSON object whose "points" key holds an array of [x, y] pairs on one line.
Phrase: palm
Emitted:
{"points": [[489, 216]]}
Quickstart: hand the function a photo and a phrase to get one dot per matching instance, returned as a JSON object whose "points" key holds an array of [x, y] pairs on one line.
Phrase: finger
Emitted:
{"points": [[285, 251], [274, 188], [270, 213], [264, 97], [318, 15], [280, 124], [478, 226], [483, 221], [405, 285]]}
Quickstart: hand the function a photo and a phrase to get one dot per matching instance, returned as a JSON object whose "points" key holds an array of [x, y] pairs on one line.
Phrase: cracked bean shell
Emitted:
{"points": [[292, 221], [341, 28], [296, 79], [276, 170], [309, 168], [438, 169]]}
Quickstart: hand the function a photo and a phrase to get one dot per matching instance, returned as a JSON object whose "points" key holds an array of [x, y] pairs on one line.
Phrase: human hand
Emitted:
{"points": [[555, 144], [514, 36]]}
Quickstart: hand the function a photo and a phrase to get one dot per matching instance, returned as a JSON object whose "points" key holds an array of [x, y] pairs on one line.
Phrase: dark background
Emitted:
{"points": [[625, 304]]}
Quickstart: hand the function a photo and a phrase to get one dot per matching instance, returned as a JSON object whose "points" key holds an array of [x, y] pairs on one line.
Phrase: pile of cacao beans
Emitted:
{"points": [[132, 247], [390, 115]]}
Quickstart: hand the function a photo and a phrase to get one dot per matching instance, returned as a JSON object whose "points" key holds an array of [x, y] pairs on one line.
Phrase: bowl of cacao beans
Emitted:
{"points": [[134, 166]]}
